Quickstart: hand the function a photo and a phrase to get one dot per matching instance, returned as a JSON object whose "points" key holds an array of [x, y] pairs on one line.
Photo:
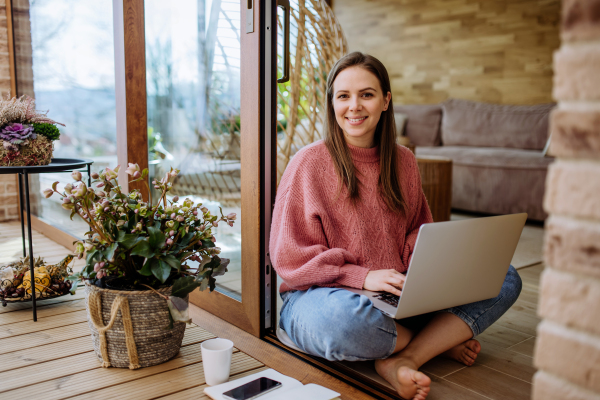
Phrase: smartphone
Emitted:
{"points": [[252, 389]]}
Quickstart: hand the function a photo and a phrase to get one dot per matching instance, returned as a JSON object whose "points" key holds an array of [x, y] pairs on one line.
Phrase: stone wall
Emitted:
{"points": [[568, 348], [8, 183], [492, 51]]}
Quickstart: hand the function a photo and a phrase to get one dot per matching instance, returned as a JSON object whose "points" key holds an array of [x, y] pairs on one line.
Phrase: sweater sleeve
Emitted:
{"points": [[299, 248], [421, 214]]}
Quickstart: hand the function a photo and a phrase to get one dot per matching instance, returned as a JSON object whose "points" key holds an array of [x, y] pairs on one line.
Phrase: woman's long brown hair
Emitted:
{"points": [[385, 137]]}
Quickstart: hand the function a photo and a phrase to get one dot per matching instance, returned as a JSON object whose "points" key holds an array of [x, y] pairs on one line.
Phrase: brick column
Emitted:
{"points": [[8, 183], [567, 352]]}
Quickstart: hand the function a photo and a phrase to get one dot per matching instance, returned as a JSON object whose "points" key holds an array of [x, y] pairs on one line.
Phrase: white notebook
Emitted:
{"points": [[291, 389]]}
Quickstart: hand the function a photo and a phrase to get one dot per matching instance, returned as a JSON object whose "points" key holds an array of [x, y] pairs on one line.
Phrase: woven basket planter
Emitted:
{"points": [[37, 152], [144, 342]]}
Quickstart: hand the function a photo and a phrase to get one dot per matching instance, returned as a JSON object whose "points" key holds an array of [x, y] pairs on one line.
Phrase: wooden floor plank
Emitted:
{"points": [[197, 393], [491, 383], [37, 355], [442, 389], [30, 375], [44, 312], [502, 336], [441, 366], [509, 362], [526, 347], [42, 324], [40, 338], [63, 349], [167, 382], [99, 378], [520, 321]]}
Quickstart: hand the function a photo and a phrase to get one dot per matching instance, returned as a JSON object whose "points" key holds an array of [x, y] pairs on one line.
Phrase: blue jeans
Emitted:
{"points": [[337, 324]]}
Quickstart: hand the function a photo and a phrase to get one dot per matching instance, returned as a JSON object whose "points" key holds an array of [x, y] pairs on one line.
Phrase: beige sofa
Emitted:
{"points": [[498, 152]]}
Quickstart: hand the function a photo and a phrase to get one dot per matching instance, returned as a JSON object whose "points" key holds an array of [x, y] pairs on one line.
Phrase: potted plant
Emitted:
{"points": [[139, 271], [26, 135]]}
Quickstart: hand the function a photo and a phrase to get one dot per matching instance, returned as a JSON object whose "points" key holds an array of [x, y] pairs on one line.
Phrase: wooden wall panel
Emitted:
{"points": [[484, 50]]}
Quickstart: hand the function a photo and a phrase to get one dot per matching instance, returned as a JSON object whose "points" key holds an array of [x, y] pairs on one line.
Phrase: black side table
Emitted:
{"points": [[56, 165]]}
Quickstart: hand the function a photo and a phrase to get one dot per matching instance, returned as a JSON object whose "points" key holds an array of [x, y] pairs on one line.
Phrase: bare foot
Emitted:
{"points": [[403, 375], [465, 352]]}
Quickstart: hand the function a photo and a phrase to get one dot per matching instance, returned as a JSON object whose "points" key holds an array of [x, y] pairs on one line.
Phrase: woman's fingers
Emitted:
{"points": [[393, 290]]}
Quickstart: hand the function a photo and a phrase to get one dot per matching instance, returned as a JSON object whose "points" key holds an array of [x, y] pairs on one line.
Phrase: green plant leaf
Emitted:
{"points": [[208, 243], [161, 270], [157, 238], [143, 249], [187, 238], [109, 252], [129, 240], [172, 261], [147, 268], [184, 286]]}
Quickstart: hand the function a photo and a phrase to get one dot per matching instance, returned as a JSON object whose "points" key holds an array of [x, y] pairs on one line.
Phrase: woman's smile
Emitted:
{"points": [[356, 121]]}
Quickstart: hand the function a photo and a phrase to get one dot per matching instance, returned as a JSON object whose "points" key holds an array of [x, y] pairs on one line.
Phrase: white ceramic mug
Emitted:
{"points": [[216, 360]]}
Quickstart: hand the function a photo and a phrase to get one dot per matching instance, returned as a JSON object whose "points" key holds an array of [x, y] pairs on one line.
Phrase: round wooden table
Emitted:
{"points": [[436, 179]]}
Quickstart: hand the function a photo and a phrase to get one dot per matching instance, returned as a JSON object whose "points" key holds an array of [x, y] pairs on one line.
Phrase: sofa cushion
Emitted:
{"points": [[495, 180], [423, 123], [471, 123], [489, 157]]}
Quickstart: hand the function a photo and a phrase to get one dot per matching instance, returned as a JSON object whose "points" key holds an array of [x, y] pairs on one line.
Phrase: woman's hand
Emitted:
{"points": [[385, 280]]}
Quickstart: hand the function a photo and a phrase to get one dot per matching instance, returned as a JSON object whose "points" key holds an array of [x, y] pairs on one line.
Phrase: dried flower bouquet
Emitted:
{"points": [[26, 135]]}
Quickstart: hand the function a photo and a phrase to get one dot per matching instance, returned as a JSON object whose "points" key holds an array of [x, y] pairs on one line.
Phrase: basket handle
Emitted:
{"points": [[122, 303]]}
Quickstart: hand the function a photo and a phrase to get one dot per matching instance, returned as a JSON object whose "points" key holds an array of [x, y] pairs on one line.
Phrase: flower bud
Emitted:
{"points": [[156, 187], [195, 212], [48, 193], [68, 206], [136, 175], [170, 224], [68, 188], [97, 267], [136, 211], [180, 218], [76, 175], [132, 169], [175, 199], [89, 246], [232, 216], [215, 224], [173, 216], [139, 226], [204, 210], [106, 209], [120, 223], [163, 216], [95, 175], [213, 239], [100, 274], [230, 223], [172, 233], [169, 242], [100, 185], [100, 193]]}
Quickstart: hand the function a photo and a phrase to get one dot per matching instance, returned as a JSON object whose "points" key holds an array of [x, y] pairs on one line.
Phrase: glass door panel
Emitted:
{"points": [[194, 111]]}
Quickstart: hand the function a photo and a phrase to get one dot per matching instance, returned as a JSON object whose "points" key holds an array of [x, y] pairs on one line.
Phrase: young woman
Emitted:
{"points": [[347, 213]]}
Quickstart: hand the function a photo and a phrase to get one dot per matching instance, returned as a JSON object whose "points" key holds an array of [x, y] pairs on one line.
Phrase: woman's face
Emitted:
{"points": [[358, 102]]}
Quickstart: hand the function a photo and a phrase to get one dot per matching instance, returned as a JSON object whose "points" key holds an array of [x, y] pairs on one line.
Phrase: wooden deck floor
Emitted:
{"points": [[53, 358]]}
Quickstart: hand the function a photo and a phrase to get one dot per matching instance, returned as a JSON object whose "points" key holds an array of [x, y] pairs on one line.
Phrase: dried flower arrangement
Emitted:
{"points": [[26, 135]]}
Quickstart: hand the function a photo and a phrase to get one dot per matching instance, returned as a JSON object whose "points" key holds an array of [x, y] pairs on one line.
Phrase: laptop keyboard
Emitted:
{"points": [[389, 298]]}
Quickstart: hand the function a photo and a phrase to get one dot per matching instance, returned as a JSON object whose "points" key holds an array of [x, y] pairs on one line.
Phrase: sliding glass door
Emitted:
{"points": [[203, 84]]}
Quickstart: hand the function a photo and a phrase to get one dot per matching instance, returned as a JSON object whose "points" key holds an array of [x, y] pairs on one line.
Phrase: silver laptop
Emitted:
{"points": [[454, 263]]}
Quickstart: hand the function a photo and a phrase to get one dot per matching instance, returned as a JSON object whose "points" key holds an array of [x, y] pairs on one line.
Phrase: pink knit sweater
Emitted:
{"points": [[318, 239]]}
